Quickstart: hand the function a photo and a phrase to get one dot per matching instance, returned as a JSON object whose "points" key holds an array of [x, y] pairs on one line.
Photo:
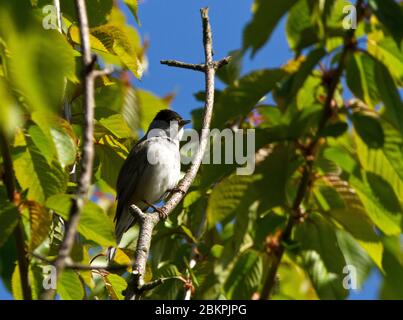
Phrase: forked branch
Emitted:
{"points": [[148, 221]]}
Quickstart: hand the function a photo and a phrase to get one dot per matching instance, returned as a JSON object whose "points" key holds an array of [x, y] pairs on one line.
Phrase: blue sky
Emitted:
{"points": [[174, 31]]}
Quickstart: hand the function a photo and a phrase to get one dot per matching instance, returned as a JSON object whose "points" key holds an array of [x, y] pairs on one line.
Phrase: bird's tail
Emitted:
{"points": [[124, 222]]}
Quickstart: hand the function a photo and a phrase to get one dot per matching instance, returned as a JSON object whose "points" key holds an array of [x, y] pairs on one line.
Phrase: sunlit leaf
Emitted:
{"points": [[69, 286], [94, 224]]}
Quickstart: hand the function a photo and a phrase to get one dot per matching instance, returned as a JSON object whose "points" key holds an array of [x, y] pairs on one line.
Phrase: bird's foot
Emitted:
{"points": [[161, 212]]}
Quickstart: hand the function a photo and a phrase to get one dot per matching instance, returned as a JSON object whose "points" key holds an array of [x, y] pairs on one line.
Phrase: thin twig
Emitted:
{"points": [[307, 174], [147, 222], [87, 152], [184, 65], [9, 182]]}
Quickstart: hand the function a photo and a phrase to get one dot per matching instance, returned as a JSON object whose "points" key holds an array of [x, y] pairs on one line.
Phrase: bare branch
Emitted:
{"points": [[184, 65], [104, 72], [88, 148], [148, 221]]}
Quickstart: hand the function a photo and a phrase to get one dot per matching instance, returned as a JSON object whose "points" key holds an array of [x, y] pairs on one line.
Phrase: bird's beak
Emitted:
{"points": [[184, 122]]}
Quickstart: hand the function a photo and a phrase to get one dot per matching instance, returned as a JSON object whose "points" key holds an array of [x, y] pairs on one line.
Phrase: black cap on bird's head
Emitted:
{"points": [[169, 115]]}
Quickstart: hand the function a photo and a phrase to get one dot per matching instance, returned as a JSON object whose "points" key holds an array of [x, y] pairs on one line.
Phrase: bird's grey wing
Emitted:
{"points": [[127, 184], [130, 174]]}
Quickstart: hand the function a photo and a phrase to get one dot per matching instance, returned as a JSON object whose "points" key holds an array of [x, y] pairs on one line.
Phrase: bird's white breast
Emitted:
{"points": [[163, 172]]}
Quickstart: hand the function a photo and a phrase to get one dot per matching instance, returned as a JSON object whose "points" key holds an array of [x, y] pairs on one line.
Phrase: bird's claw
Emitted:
{"points": [[162, 213]]}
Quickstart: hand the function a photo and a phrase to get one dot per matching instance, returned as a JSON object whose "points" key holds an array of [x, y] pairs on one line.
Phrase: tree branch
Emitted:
{"points": [[148, 221], [9, 182], [310, 155], [88, 148]]}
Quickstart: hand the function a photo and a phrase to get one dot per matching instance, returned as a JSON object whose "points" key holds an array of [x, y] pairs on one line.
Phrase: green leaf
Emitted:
{"points": [[69, 286], [300, 29], [335, 129], [40, 62], [390, 96], [115, 285], [266, 15], [245, 277], [355, 256], [276, 171], [321, 257], [133, 6], [54, 137], [40, 222], [9, 216], [117, 125], [16, 284], [242, 96], [123, 42], [227, 196], [361, 77], [34, 173], [149, 105], [65, 146], [111, 157], [94, 224], [385, 49], [230, 72], [392, 264], [342, 204], [369, 129], [390, 13], [387, 161], [298, 79]]}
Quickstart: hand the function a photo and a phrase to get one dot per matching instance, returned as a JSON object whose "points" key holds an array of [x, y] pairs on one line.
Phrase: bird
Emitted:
{"points": [[151, 170]]}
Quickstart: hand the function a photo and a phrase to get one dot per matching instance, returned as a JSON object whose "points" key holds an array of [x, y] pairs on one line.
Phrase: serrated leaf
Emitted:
{"points": [[361, 78], [226, 197], [321, 257], [347, 208], [40, 221], [385, 49], [245, 277], [124, 42], [34, 173]]}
